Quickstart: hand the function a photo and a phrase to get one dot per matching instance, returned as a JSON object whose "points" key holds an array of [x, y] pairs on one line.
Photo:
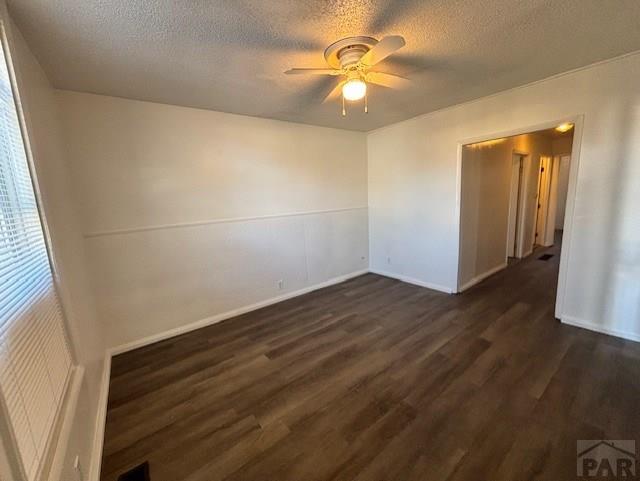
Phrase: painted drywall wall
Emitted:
{"points": [[486, 176], [40, 108], [413, 193], [190, 213], [485, 192], [562, 145]]}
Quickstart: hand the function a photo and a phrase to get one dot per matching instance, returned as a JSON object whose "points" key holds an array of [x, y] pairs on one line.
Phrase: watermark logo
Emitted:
{"points": [[607, 459]]}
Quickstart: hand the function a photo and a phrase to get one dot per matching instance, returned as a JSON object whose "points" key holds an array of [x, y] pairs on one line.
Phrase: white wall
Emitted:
{"points": [[562, 145], [485, 193], [40, 109], [412, 188], [189, 214]]}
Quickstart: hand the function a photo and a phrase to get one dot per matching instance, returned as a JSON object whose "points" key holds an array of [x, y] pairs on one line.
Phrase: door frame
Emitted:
{"points": [[565, 252]]}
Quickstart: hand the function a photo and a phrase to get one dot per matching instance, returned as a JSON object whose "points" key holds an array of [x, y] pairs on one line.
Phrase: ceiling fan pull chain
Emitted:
{"points": [[344, 111], [366, 103]]}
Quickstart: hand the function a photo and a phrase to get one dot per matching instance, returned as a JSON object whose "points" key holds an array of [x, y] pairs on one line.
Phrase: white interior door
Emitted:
{"points": [[514, 202], [549, 234], [544, 186], [563, 187]]}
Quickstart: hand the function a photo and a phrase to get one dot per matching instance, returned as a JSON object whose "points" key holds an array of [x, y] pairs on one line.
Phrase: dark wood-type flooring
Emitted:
{"points": [[374, 379]]}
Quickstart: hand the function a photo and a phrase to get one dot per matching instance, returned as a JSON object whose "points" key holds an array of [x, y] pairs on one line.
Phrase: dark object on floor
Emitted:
{"points": [[545, 257], [139, 473]]}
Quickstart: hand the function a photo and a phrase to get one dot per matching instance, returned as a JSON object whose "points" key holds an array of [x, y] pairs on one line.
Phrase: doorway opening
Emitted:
{"points": [[513, 196]]}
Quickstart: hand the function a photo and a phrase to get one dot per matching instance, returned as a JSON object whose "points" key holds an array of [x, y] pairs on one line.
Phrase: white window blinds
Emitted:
{"points": [[35, 361]]}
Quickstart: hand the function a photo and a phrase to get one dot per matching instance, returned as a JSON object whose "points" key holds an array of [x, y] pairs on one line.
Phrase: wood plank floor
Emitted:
{"points": [[375, 379]]}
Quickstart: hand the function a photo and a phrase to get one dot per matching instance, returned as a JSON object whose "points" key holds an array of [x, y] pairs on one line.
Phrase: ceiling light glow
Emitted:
{"points": [[564, 127], [486, 143], [354, 89]]}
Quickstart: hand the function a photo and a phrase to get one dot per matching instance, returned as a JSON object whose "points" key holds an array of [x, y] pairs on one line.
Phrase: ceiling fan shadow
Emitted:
{"points": [[313, 93], [412, 63], [263, 30], [390, 14], [408, 64], [246, 27]]}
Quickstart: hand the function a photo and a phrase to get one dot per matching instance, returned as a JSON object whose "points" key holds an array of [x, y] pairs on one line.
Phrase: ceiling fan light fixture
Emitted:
{"points": [[351, 59], [354, 89]]}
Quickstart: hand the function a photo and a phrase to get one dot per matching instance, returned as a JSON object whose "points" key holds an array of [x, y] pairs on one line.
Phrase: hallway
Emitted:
{"points": [[377, 379]]}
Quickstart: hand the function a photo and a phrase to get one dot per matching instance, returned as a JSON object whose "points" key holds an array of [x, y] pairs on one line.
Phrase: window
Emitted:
{"points": [[35, 360]]}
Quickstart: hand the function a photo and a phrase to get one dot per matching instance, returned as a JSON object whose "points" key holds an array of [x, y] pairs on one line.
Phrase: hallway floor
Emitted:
{"points": [[375, 379]]}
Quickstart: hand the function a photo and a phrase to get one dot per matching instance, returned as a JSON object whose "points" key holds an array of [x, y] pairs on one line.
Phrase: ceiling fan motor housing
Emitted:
{"points": [[351, 55], [346, 53]]}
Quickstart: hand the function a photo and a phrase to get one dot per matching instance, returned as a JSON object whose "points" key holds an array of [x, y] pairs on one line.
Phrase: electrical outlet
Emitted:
{"points": [[78, 469], [280, 284]]}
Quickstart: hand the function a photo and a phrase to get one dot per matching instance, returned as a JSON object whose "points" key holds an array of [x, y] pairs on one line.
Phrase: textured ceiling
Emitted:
{"points": [[229, 55]]}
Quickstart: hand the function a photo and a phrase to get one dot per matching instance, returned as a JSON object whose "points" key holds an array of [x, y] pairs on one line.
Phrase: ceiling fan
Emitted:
{"points": [[352, 59]]}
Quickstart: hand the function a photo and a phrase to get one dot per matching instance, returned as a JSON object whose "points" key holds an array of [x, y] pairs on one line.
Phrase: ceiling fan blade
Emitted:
{"points": [[313, 71], [387, 80], [335, 93], [382, 50]]}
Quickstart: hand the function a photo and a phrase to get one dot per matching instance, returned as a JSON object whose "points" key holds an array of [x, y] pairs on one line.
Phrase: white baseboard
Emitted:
{"points": [[481, 277], [572, 321], [411, 280], [229, 314], [101, 419]]}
